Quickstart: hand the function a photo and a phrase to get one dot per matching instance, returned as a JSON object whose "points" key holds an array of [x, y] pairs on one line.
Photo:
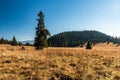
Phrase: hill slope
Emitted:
{"points": [[77, 38]]}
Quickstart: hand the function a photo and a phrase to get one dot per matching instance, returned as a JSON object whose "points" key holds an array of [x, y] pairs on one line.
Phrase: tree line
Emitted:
{"points": [[12, 42]]}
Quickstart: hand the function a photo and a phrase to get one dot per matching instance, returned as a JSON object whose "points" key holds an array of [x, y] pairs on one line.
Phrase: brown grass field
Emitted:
{"points": [[100, 63]]}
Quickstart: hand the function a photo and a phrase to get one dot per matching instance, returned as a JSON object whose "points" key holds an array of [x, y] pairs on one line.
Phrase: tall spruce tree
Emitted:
{"points": [[14, 41], [41, 33]]}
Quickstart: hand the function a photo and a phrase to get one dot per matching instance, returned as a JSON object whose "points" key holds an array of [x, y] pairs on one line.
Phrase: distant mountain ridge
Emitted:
{"points": [[77, 38], [28, 41]]}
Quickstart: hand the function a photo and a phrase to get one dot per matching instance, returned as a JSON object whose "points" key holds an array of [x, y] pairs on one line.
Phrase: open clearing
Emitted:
{"points": [[100, 63]]}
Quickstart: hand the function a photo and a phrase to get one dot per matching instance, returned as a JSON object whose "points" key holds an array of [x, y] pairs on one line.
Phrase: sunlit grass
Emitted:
{"points": [[101, 63]]}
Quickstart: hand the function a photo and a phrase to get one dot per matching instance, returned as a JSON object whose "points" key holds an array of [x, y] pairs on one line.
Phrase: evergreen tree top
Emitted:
{"points": [[41, 16]]}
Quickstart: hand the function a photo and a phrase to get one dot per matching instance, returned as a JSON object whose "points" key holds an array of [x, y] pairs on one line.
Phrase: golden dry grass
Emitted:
{"points": [[100, 63]]}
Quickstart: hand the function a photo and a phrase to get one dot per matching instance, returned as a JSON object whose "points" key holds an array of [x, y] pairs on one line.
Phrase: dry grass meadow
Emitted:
{"points": [[100, 63]]}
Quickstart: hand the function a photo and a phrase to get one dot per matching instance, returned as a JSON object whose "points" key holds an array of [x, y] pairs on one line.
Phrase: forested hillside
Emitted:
{"points": [[78, 38]]}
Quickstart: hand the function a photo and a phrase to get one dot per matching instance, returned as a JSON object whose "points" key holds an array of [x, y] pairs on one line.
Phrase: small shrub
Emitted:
{"points": [[108, 42], [89, 45], [73, 64], [60, 76], [65, 77], [81, 45], [22, 48]]}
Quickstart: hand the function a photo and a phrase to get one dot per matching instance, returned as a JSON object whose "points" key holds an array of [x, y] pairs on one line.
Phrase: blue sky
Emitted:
{"points": [[18, 17]]}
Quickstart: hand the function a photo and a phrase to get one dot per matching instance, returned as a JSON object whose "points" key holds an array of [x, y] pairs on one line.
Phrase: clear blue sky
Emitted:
{"points": [[18, 17]]}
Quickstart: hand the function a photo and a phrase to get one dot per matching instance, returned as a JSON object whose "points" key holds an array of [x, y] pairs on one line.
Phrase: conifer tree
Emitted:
{"points": [[89, 45], [41, 33], [14, 41], [2, 40]]}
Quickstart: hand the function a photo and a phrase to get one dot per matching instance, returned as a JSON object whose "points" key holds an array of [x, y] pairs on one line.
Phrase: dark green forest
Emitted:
{"points": [[78, 38]]}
